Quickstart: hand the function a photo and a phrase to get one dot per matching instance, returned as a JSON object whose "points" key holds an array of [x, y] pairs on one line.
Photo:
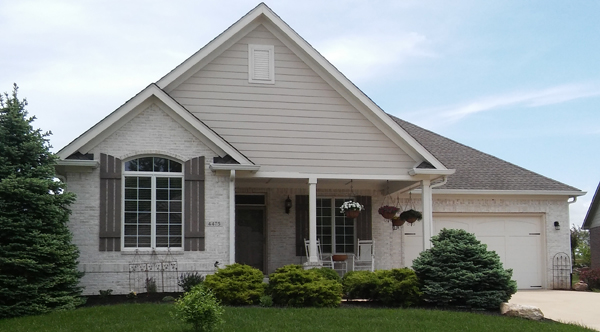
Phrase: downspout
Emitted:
{"points": [[573, 201], [444, 181]]}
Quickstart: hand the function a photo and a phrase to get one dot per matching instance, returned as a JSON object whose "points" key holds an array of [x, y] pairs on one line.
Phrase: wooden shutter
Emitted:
{"points": [[301, 223], [194, 205], [364, 223], [110, 203]]}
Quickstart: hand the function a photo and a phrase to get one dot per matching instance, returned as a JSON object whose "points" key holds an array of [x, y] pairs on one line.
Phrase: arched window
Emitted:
{"points": [[152, 200]]}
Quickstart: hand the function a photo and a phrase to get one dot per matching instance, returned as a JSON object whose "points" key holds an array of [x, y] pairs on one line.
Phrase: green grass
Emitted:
{"points": [[155, 317]]}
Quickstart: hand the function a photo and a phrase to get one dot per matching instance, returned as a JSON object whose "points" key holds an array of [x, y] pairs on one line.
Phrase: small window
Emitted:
{"points": [[261, 64]]}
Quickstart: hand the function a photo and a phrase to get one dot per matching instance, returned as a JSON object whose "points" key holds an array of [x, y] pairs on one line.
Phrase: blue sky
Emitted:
{"points": [[516, 79]]}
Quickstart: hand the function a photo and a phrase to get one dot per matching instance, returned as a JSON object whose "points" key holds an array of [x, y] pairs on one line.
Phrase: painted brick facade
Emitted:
{"points": [[152, 132]]}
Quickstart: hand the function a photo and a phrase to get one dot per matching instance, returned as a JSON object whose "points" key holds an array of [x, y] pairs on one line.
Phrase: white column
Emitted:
{"points": [[427, 201], [312, 219], [232, 217]]}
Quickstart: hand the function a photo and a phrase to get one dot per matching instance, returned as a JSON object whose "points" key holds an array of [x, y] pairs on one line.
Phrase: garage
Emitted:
{"points": [[517, 239]]}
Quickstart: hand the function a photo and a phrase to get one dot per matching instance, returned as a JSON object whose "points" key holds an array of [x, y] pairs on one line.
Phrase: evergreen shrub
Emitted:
{"points": [[293, 286], [237, 284], [396, 287], [187, 281], [459, 271]]}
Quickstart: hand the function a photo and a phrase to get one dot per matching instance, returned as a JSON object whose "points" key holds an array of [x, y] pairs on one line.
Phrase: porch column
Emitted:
{"points": [[232, 217], [312, 219], [427, 201]]}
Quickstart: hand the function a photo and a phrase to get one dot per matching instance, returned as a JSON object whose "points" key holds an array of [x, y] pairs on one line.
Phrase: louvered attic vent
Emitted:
{"points": [[261, 64]]}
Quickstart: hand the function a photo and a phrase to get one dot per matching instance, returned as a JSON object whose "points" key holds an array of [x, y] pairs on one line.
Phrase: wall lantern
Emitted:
{"points": [[556, 225], [288, 205]]}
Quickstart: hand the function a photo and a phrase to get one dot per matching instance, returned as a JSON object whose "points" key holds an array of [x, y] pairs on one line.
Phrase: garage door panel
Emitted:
{"points": [[523, 256], [488, 227], [497, 244], [522, 227]]}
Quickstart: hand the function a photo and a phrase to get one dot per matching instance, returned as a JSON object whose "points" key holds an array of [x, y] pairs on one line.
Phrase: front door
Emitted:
{"points": [[249, 236]]}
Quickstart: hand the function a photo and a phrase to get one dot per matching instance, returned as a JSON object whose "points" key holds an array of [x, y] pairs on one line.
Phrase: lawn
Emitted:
{"points": [[155, 317]]}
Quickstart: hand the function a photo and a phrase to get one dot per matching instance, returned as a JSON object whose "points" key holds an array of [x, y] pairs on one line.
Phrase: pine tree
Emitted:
{"points": [[38, 262], [459, 271]]}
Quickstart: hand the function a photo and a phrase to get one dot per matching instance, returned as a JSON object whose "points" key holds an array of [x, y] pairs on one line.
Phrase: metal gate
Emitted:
{"points": [[561, 271]]}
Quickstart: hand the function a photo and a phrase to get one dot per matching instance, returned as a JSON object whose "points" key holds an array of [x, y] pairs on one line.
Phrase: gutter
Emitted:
{"points": [[234, 167]]}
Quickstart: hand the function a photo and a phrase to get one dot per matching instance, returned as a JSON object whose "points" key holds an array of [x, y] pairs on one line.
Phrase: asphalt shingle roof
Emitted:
{"points": [[476, 170]]}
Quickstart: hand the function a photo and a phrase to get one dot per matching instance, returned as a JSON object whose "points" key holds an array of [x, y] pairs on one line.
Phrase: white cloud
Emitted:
{"points": [[363, 57], [534, 98]]}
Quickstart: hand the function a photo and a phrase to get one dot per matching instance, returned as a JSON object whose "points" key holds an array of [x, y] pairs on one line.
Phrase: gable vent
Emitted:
{"points": [[261, 64]]}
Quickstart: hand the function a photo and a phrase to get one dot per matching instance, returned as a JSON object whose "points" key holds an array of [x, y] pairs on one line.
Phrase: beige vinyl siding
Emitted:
{"points": [[298, 124]]}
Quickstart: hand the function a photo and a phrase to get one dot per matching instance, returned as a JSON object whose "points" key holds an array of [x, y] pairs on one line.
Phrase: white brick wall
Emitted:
{"points": [[152, 132]]}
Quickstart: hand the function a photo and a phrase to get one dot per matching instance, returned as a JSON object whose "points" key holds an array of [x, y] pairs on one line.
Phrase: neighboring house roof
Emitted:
{"points": [[593, 210], [476, 170], [152, 93]]}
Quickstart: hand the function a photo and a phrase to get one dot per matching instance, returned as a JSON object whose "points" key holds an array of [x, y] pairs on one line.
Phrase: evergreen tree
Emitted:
{"points": [[459, 271], [38, 262]]}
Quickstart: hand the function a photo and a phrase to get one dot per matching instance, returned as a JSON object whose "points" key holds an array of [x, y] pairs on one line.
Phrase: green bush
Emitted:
{"points": [[360, 285], [459, 271], [397, 287], [291, 285], [328, 273], [266, 301], [200, 308], [237, 284], [187, 281]]}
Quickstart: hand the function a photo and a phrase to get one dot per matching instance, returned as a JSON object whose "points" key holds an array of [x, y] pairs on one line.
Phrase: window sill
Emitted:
{"points": [[151, 252]]}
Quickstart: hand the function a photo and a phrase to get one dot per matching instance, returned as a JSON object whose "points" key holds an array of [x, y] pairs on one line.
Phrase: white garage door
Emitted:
{"points": [[517, 240]]}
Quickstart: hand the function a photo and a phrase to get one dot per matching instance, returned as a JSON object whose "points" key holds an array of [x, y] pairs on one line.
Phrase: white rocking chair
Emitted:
{"points": [[365, 256], [326, 259]]}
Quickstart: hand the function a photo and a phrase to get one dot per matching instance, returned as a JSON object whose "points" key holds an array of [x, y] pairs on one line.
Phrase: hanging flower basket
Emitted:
{"points": [[388, 211], [351, 209], [397, 222], [411, 216]]}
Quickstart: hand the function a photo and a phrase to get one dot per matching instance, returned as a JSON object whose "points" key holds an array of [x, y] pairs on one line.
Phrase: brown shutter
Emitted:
{"points": [[364, 223], [110, 203], [301, 223], [194, 205]]}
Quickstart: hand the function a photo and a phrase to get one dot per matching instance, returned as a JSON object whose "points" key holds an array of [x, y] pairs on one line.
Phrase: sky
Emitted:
{"points": [[519, 80]]}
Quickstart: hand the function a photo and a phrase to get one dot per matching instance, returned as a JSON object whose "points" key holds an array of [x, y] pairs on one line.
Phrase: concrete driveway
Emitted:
{"points": [[564, 306]]}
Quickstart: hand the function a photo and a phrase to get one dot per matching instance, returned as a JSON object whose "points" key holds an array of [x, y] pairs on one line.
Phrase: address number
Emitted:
{"points": [[214, 224]]}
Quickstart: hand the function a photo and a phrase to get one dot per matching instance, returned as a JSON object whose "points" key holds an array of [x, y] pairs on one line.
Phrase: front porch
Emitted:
{"points": [[267, 237]]}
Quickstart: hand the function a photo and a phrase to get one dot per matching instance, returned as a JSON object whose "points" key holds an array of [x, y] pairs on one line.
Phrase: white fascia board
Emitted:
{"points": [[296, 175], [375, 114], [506, 192], [78, 163], [235, 167], [137, 104], [431, 171]]}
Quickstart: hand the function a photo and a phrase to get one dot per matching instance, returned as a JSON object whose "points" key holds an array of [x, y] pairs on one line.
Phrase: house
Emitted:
{"points": [[592, 223], [199, 169]]}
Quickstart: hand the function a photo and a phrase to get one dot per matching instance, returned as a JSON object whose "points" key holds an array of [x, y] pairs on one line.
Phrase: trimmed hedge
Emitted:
{"points": [[237, 284], [293, 286], [396, 287]]}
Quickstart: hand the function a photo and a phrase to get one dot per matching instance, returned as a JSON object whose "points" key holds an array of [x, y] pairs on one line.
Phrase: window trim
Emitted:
{"points": [[251, 63], [153, 175]]}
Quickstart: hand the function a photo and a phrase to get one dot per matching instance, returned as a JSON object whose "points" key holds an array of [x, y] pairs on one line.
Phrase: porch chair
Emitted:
{"points": [[365, 256], [325, 259]]}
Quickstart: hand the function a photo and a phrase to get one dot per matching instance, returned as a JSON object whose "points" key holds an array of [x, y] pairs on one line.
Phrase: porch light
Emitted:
{"points": [[288, 205], [557, 225]]}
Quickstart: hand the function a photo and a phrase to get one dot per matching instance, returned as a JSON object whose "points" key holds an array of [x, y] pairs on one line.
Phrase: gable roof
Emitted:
{"points": [[262, 14], [86, 141], [593, 210], [478, 171]]}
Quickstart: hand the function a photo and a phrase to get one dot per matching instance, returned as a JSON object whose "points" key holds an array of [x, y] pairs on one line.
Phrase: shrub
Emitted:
{"points": [[187, 281], [266, 301], [105, 293], [328, 273], [200, 308], [591, 277], [360, 285], [291, 285], [459, 271], [237, 284], [397, 287]]}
